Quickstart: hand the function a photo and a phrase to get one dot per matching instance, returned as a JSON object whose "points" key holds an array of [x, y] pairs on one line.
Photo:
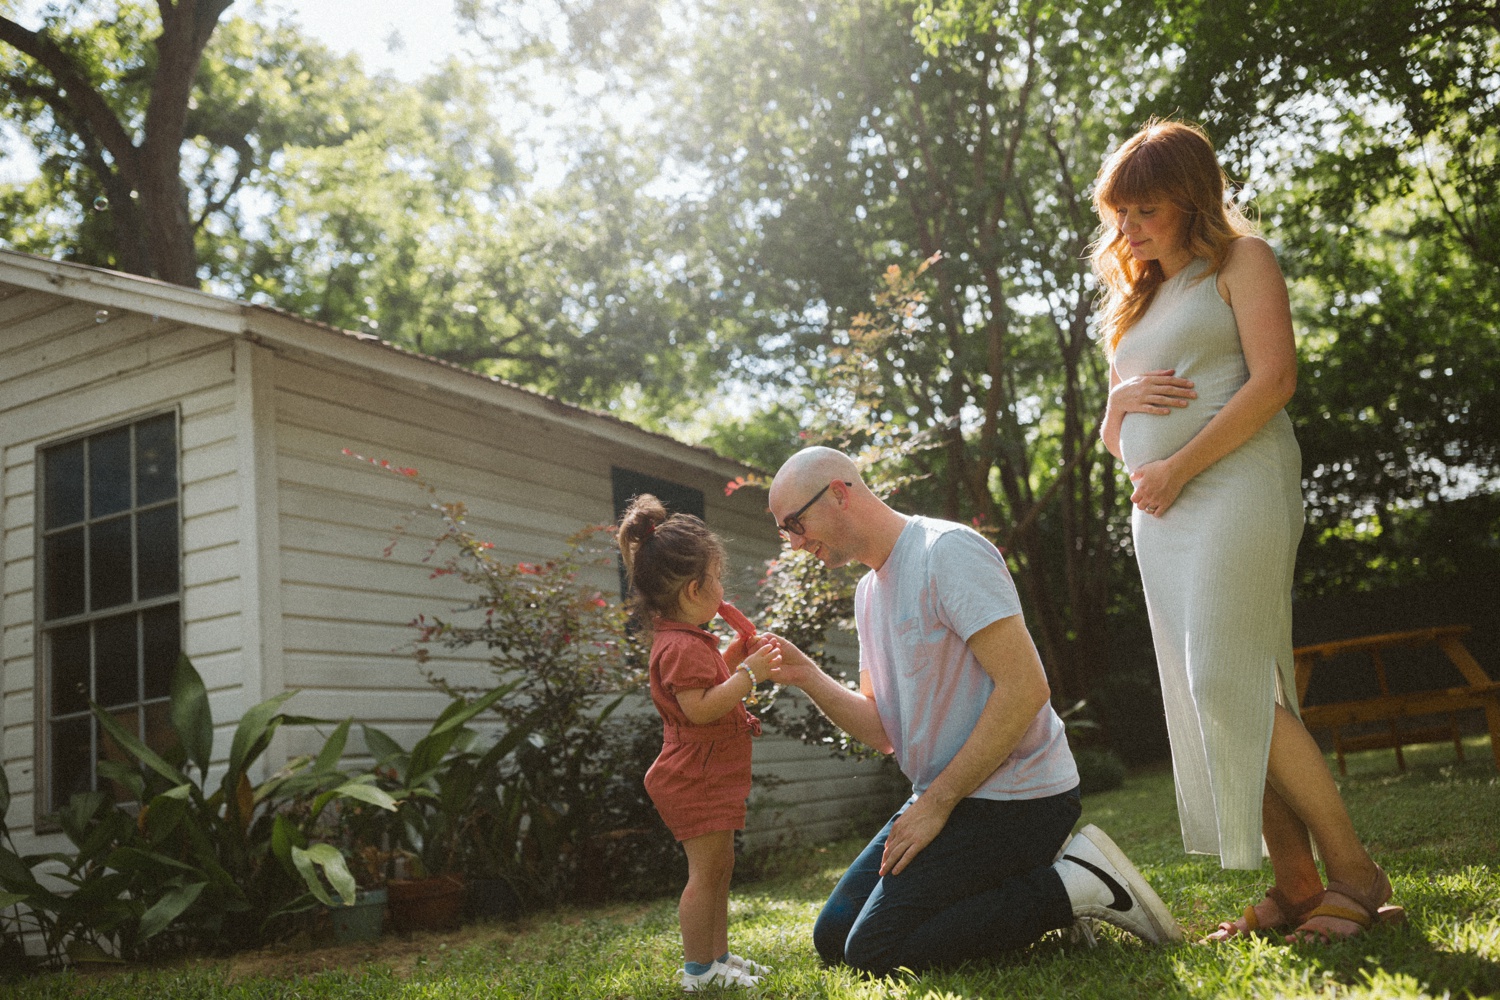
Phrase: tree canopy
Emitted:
{"points": [[111, 118], [864, 220], [296, 179], [837, 142]]}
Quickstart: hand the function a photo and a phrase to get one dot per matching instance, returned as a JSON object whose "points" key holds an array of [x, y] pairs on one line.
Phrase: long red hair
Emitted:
{"points": [[1165, 161]]}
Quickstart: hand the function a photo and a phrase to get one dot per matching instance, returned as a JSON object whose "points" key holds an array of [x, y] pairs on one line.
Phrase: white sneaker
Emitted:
{"points": [[747, 965], [718, 974], [1136, 907]]}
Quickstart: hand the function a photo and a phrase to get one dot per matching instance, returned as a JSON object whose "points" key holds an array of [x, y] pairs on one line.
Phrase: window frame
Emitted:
{"points": [[45, 809]]}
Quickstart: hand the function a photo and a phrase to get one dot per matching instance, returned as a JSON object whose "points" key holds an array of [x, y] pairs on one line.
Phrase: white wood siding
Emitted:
{"points": [[66, 368], [285, 581], [528, 484]]}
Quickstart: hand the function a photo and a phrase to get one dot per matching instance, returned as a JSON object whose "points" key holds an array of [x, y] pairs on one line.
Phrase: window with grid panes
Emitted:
{"points": [[110, 591]]}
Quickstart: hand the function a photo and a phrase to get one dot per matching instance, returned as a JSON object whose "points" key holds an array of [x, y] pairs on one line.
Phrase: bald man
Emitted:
{"points": [[950, 683]]}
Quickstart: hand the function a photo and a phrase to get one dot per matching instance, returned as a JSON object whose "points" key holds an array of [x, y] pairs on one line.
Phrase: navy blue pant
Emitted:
{"points": [[984, 885]]}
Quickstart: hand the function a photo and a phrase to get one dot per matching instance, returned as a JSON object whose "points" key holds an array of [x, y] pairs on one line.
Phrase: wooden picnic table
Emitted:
{"points": [[1478, 691]]}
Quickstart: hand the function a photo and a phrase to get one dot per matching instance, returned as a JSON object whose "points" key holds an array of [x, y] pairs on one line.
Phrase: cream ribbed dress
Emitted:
{"points": [[1217, 569]]}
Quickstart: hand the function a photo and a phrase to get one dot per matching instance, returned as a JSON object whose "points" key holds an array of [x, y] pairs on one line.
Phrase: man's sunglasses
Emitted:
{"points": [[793, 523]]}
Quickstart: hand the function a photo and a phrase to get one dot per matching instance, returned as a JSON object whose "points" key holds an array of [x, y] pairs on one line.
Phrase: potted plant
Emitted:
{"points": [[371, 864], [435, 784], [363, 919]]}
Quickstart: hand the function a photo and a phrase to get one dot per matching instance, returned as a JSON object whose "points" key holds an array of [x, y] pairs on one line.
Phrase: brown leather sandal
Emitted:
{"points": [[1369, 908], [1292, 914]]}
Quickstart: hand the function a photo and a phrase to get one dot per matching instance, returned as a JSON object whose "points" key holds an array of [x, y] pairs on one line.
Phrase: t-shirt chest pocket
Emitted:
{"points": [[907, 636]]}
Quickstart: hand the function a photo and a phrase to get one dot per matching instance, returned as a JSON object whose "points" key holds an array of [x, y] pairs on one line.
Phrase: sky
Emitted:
{"points": [[403, 37]]}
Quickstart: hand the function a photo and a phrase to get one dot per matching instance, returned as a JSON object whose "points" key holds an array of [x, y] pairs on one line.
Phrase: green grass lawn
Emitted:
{"points": [[1436, 829]]}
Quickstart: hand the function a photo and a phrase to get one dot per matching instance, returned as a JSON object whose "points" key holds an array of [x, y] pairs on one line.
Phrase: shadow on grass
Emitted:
{"points": [[1401, 961]]}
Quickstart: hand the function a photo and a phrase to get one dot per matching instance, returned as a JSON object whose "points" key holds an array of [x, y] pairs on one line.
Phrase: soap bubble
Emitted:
{"points": [[101, 203], [101, 316]]}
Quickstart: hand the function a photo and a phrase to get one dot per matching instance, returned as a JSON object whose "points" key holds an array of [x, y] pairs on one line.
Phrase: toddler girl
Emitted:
{"points": [[701, 779]]}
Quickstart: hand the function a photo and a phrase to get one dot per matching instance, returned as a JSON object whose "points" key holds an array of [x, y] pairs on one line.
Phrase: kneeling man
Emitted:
{"points": [[974, 863]]}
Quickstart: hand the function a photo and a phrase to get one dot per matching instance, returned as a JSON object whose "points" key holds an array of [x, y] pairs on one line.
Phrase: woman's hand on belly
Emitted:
{"points": [[1151, 392], [1156, 487]]}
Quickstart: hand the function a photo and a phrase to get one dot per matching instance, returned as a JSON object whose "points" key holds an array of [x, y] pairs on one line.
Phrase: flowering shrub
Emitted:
{"points": [[568, 658], [572, 658]]}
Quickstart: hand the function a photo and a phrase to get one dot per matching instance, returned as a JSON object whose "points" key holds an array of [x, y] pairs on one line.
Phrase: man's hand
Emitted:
{"points": [[796, 668], [923, 820], [852, 711]]}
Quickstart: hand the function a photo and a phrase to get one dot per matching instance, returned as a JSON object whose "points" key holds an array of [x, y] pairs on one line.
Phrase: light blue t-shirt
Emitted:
{"points": [[942, 583]]}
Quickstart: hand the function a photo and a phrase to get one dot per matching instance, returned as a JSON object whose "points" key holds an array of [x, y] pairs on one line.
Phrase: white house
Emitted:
{"points": [[173, 476]]}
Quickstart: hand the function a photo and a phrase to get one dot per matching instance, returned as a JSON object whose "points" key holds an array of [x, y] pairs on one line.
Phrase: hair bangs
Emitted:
{"points": [[1137, 176]]}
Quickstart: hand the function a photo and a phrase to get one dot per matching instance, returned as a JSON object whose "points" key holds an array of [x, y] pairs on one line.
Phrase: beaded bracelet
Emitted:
{"points": [[751, 697]]}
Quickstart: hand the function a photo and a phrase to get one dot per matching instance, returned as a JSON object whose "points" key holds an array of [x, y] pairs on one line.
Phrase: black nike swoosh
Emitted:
{"points": [[1122, 901]]}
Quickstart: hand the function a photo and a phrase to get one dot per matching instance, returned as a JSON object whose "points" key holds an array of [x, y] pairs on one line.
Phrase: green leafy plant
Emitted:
{"points": [[228, 837], [26, 906], [175, 861], [444, 787]]}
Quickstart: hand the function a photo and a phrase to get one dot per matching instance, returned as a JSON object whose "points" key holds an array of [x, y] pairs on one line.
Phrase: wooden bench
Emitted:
{"points": [[1478, 692]]}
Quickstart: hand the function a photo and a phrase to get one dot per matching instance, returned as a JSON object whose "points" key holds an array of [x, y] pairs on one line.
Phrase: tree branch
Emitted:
{"points": [[90, 113], [1040, 504], [244, 164]]}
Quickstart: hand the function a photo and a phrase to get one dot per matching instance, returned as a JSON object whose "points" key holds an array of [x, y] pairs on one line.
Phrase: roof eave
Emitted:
{"points": [[109, 289]]}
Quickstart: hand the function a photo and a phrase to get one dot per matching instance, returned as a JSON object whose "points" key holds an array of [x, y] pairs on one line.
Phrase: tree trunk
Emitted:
{"points": [[154, 236]]}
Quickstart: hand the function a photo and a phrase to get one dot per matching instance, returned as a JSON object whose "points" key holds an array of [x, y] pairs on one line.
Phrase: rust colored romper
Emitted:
{"points": [[701, 778]]}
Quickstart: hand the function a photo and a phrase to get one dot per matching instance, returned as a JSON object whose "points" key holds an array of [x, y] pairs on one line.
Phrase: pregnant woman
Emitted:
{"points": [[1198, 327]]}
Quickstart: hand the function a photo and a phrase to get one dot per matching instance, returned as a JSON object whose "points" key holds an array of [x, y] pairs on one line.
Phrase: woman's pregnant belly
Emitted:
{"points": [[1150, 437]]}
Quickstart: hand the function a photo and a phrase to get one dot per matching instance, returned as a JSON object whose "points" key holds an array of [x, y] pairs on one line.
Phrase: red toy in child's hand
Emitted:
{"points": [[743, 627]]}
